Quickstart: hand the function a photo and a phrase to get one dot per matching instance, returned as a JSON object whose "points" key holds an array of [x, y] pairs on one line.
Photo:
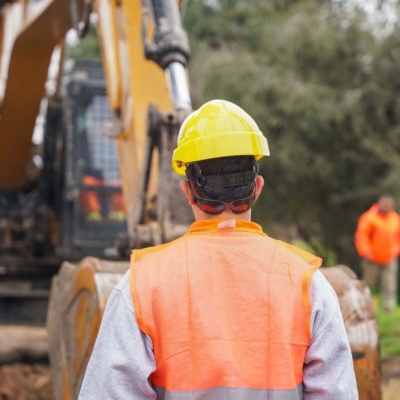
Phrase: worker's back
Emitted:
{"points": [[225, 308]]}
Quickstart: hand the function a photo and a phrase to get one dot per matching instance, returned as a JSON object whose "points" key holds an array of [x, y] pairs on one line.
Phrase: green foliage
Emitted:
{"points": [[88, 48], [316, 248], [324, 90], [389, 331]]}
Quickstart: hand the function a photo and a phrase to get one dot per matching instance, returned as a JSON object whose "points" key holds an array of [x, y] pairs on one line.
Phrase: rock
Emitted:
{"points": [[23, 344]]}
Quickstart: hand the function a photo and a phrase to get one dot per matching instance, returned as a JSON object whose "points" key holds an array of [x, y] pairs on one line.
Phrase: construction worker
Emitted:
{"points": [[90, 203], [224, 312], [377, 241]]}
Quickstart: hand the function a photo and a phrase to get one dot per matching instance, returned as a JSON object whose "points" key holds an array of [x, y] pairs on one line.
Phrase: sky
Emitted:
{"points": [[381, 14]]}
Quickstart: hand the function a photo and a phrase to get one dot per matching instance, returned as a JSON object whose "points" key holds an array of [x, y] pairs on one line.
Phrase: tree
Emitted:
{"points": [[324, 89]]}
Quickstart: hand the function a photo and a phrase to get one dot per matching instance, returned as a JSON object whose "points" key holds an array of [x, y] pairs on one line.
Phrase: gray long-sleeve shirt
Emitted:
{"points": [[123, 358]]}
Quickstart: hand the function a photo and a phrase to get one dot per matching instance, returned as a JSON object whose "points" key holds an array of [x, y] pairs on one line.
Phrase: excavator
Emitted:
{"points": [[85, 172]]}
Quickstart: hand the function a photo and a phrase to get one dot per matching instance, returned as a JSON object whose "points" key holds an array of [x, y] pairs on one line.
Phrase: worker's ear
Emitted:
{"points": [[186, 191], [259, 185]]}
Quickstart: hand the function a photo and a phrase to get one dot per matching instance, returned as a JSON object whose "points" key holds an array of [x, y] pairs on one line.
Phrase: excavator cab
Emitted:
{"points": [[93, 212]]}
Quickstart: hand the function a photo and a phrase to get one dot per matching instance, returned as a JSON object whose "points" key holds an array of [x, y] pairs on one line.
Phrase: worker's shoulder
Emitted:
{"points": [[371, 213], [287, 253], [373, 216], [158, 251], [366, 219], [296, 256], [395, 215]]}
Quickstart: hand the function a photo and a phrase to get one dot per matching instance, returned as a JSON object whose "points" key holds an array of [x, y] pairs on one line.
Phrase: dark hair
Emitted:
{"points": [[385, 196], [222, 166]]}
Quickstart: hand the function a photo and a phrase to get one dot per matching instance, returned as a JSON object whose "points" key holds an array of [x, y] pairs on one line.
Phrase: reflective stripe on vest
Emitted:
{"points": [[232, 394], [227, 309]]}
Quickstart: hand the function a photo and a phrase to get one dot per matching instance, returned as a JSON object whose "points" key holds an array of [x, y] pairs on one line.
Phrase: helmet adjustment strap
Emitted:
{"points": [[226, 180]]}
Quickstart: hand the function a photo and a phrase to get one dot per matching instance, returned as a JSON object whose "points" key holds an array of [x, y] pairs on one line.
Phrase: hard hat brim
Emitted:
{"points": [[218, 146]]}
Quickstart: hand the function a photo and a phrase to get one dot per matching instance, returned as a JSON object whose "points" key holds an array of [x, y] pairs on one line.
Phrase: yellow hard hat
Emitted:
{"points": [[218, 129]]}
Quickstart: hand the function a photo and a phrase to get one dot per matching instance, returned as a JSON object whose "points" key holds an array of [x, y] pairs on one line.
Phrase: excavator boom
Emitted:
{"points": [[30, 32]]}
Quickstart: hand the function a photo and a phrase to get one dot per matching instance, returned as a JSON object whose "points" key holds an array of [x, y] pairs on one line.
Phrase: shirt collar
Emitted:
{"points": [[225, 224]]}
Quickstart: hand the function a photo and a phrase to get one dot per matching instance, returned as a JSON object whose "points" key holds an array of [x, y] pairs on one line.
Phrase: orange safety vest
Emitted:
{"points": [[89, 200], [228, 312], [378, 235]]}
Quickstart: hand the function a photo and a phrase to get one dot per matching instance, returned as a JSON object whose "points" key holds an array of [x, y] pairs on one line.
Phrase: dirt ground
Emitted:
{"points": [[391, 379], [25, 382], [33, 381]]}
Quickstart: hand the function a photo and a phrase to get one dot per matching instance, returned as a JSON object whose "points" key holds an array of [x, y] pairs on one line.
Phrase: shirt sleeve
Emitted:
{"points": [[328, 370], [122, 359], [362, 236]]}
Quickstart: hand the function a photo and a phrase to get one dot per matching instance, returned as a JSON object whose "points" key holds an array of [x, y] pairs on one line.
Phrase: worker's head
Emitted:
{"points": [[385, 204], [218, 149]]}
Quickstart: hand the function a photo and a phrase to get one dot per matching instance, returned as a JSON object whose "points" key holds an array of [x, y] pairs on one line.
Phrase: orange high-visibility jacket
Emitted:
{"points": [[228, 312], [378, 235]]}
